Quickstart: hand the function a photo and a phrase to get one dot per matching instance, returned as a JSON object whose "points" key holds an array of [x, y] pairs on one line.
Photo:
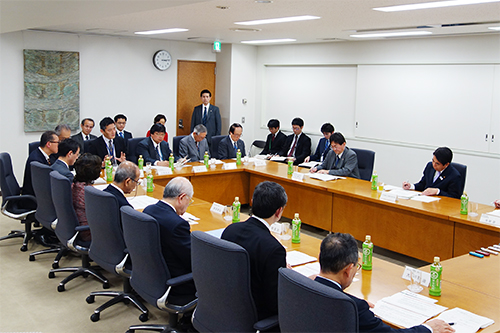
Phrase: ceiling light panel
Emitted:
{"points": [[436, 4], [393, 34], [161, 31], [269, 41], [279, 20]]}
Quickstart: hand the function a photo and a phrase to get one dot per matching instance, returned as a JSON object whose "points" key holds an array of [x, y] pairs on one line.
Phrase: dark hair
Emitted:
{"points": [[205, 91], [66, 146], [298, 122], [267, 198], [88, 168], [46, 137], [337, 137], [105, 122], [233, 127], [157, 128], [159, 117], [327, 128], [120, 116], [337, 251], [273, 123], [444, 155], [89, 119]]}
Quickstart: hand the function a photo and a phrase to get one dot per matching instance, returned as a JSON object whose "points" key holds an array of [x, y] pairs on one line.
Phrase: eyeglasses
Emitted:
{"points": [[54, 141], [135, 181], [358, 266]]}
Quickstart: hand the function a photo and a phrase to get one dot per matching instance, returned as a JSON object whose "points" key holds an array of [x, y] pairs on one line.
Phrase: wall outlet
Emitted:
{"points": [[242, 120]]}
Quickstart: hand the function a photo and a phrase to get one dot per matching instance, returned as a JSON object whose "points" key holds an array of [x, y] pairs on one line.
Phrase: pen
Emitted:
{"points": [[451, 324], [472, 253]]}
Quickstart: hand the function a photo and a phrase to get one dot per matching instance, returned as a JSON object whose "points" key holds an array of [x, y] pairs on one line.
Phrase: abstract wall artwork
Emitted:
{"points": [[51, 89]]}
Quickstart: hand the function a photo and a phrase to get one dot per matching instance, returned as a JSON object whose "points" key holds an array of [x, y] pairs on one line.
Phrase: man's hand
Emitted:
{"points": [[439, 326], [324, 172], [430, 191], [497, 203], [313, 170], [162, 163], [406, 186], [122, 158], [307, 159]]}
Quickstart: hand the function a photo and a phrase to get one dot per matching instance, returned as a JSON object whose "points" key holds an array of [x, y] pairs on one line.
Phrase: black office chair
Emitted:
{"points": [[107, 249], [305, 305], [150, 275], [366, 160], [132, 149], [257, 147], [462, 169], [67, 231], [32, 146], [221, 273], [87, 144], [14, 205], [176, 141], [214, 146]]}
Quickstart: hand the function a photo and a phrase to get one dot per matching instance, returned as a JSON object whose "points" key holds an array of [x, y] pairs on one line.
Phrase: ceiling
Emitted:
{"points": [[207, 22]]}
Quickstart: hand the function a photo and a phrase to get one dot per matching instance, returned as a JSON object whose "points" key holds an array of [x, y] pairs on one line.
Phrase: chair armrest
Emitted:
{"points": [[266, 323], [82, 228], [10, 201], [180, 280], [20, 198]]}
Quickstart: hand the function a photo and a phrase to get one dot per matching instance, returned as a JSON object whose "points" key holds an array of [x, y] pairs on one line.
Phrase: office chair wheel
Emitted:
{"points": [[90, 299], [95, 317], [24, 248], [60, 288], [130, 331], [106, 285], [85, 275], [52, 275], [144, 317], [32, 257], [126, 301], [55, 265]]}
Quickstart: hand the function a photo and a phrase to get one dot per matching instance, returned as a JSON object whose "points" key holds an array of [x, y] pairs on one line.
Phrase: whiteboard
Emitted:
{"points": [[317, 94], [435, 105]]}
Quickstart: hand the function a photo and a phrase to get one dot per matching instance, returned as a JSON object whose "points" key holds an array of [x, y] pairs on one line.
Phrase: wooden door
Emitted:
{"points": [[192, 78]]}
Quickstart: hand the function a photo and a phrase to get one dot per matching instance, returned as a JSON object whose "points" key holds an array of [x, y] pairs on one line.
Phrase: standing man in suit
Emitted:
{"points": [[120, 122], [69, 151], [175, 234], [194, 145], [440, 178], [275, 140], [87, 126], [229, 145], [208, 115], [323, 145], [338, 259], [49, 144], [108, 144], [340, 161], [154, 149], [125, 181], [297, 145], [266, 253]]}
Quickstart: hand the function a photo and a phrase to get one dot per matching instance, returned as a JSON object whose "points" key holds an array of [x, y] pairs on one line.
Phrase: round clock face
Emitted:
{"points": [[162, 60]]}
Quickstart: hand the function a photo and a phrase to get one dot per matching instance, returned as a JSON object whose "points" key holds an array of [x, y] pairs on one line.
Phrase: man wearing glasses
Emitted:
{"points": [[126, 178], [231, 143]]}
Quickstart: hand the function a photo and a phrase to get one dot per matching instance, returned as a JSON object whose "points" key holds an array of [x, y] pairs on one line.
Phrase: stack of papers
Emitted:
{"points": [[190, 218], [309, 164], [278, 158], [294, 258], [425, 198], [309, 269], [465, 321], [404, 194], [141, 201], [99, 181], [324, 177]]}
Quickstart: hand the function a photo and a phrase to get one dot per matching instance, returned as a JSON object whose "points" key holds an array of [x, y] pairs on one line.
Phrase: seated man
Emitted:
{"points": [[154, 149], [340, 161], [69, 151], [266, 253], [175, 233], [120, 122], [195, 145], [229, 145], [49, 144], [297, 145], [126, 178], [440, 178], [275, 140], [63, 131], [87, 125], [338, 259], [108, 144], [323, 145]]}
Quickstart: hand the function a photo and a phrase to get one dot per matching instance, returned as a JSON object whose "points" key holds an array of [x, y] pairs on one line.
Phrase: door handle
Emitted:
{"points": [[181, 126]]}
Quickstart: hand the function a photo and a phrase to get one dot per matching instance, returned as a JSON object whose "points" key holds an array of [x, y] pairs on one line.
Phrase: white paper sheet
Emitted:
{"points": [[465, 321], [278, 158], [496, 212], [324, 177], [216, 233], [392, 187], [295, 258], [309, 269], [405, 194], [141, 201], [415, 304], [99, 181], [309, 164], [101, 187], [397, 315], [424, 198], [190, 218]]}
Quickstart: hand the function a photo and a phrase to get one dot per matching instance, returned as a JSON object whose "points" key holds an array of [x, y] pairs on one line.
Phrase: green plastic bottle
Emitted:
{"points": [[109, 170], [205, 159], [149, 178], [367, 253], [296, 223], [171, 161], [464, 204], [140, 162], [374, 180], [290, 167], [238, 157], [435, 284], [236, 210]]}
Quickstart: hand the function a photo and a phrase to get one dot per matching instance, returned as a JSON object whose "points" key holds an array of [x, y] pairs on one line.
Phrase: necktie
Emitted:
{"points": [[111, 151], [235, 149], [292, 151], [158, 152], [87, 138], [204, 120], [48, 161], [436, 176], [120, 134], [272, 140], [337, 161], [198, 147]]}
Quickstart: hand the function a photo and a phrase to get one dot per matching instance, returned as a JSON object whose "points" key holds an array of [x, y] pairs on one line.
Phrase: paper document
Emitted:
{"points": [[190, 218], [392, 187], [101, 187], [496, 212], [324, 177], [398, 316], [262, 157], [465, 321], [99, 181], [278, 158], [216, 233], [405, 194], [309, 269], [425, 198], [309, 164], [295, 258], [141, 201]]}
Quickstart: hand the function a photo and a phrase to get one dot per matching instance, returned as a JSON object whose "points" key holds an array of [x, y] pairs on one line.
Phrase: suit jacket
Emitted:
{"points": [[226, 148], [147, 149], [321, 150], [274, 147], [266, 256], [122, 201], [213, 123], [98, 147], [78, 138], [347, 166], [175, 236], [367, 320], [61, 167], [448, 182], [302, 149], [36, 155], [187, 147]]}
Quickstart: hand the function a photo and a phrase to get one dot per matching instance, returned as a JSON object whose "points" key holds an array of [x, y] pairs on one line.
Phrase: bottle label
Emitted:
{"points": [[464, 205], [296, 231], [435, 283], [374, 182], [150, 187], [236, 212], [290, 167], [367, 256]]}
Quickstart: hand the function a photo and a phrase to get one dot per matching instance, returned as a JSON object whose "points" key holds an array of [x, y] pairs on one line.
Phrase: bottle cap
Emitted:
{"points": [[368, 237], [236, 199], [436, 259], [239, 149], [206, 153], [171, 154], [140, 156], [297, 216]]}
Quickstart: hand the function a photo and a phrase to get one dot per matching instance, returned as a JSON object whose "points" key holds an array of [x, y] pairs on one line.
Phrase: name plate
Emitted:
{"points": [[163, 171], [389, 197], [298, 176], [229, 166], [490, 219], [259, 163], [217, 208], [199, 168], [276, 228], [423, 278]]}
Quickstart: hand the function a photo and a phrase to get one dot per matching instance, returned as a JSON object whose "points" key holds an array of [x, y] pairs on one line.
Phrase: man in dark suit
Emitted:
{"points": [[120, 122], [440, 177], [154, 149], [297, 145], [49, 144], [125, 181], [175, 234], [340, 161], [87, 125], [108, 144], [323, 145], [266, 253], [228, 146], [195, 145], [69, 151], [338, 259], [275, 140], [207, 115]]}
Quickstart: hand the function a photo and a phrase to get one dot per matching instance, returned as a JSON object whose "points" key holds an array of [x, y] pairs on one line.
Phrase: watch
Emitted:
{"points": [[162, 60]]}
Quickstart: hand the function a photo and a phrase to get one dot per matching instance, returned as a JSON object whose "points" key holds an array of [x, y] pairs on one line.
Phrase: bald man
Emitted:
{"points": [[126, 178]]}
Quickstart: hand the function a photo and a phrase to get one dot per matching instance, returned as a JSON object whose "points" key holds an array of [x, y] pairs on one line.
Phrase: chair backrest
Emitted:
{"points": [[142, 238], [107, 248], [32, 146], [214, 147], [62, 198], [366, 159], [305, 305], [221, 273], [8, 182], [40, 178], [462, 169], [86, 145], [257, 147], [175, 142], [132, 149]]}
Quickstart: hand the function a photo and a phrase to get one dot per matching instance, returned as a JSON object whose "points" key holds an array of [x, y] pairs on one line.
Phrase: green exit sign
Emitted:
{"points": [[217, 46]]}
